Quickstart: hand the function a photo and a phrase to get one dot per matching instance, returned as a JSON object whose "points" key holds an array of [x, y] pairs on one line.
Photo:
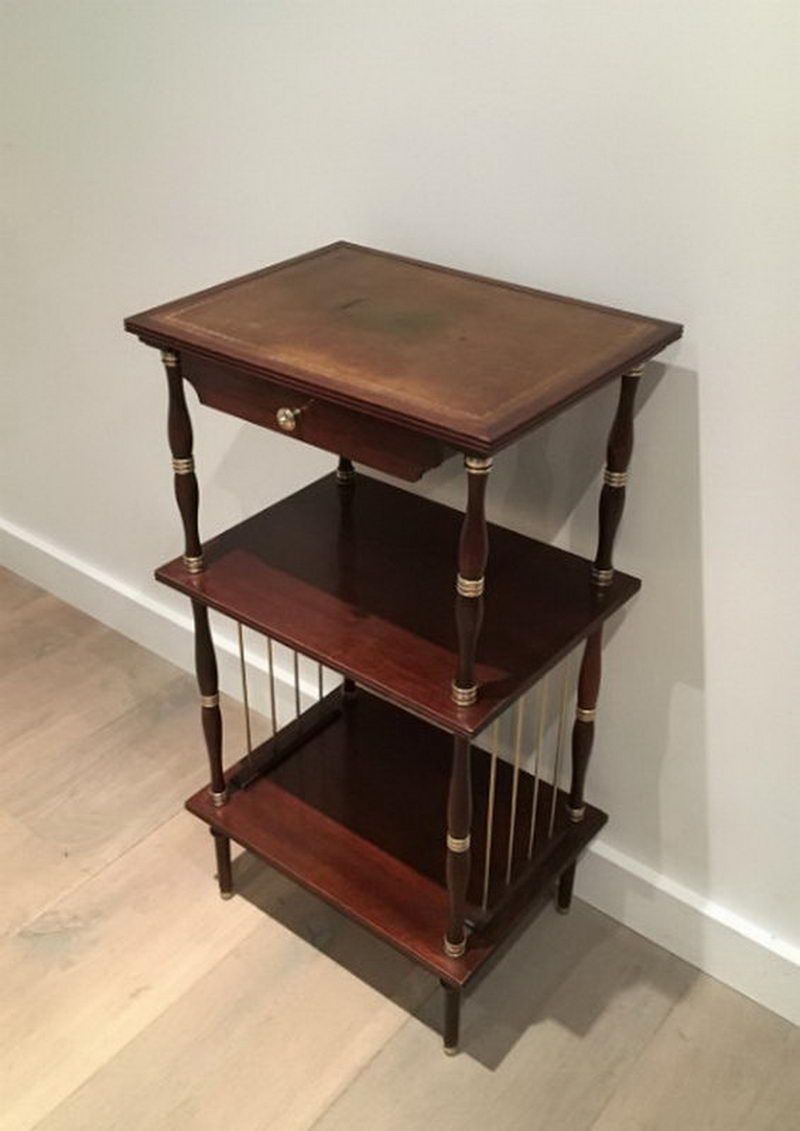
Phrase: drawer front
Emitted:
{"points": [[375, 443]]}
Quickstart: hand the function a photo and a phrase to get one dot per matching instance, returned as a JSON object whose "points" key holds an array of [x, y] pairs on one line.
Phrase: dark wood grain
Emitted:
{"points": [[364, 584], [474, 362], [334, 816]]}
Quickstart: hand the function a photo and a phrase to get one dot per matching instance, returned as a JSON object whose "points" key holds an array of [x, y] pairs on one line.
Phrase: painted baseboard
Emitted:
{"points": [[710, 937]]}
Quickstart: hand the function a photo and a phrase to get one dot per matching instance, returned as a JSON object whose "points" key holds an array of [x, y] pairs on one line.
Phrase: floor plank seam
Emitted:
{"points": [[140, 1032], [343, 1091], [90, 877], [635, 1063]]}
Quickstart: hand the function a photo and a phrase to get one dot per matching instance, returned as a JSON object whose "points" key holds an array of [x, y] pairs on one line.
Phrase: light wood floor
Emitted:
{"points": [[132, 997]]}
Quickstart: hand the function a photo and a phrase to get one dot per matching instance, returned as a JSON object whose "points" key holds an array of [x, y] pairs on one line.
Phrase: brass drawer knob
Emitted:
{"points": [[287, 418]]}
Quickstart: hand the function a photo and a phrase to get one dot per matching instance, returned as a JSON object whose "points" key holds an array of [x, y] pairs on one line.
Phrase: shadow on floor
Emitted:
{"points": [[563, 969]]}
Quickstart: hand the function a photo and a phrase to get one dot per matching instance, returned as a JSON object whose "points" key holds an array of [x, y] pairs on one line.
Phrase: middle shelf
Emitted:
{"points": [[362, 579]]}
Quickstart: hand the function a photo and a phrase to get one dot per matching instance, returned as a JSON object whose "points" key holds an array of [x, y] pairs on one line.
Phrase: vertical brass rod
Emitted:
{"points": [[245, 698], [512, 822], [272, 707], [490, 812], [320, 682], [537, 762], [562, 730], [297, 684]]}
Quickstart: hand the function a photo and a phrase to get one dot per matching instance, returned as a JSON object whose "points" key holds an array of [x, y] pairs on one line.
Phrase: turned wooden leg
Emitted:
{"points": [[222, 848], [473, 552], [179, 431], [583, 730], [452, 1017], [345, 472], [346, 481], [615, 478], [564, 891], [459, 821], [206, 668]]}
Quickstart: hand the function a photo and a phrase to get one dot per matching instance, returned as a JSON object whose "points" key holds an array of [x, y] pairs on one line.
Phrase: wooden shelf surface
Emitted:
{"points": [[474, 362], [364, 581], [333, 815]]}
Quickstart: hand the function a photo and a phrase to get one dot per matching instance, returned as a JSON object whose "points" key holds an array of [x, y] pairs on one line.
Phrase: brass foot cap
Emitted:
{"points": [[451, 1051], [562, 910], [226, 895]]}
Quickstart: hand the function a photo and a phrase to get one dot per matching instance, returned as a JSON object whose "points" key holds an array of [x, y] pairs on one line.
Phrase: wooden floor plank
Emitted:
{"points": [[267, 1039], [547, 1036], [15, 591], [95, 796], [708, 1067], [71, 692], [84, 977], [37, 628], [33, 873]]}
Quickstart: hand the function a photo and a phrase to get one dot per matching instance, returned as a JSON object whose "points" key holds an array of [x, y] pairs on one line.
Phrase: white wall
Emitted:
{"points": [[641, 154]]}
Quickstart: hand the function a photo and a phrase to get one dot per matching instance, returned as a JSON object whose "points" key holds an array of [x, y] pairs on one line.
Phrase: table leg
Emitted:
{"points": [[222, 849], [583, 729], [564, 890], [179, 431], [211, 716], [459, 821], [473, 552], [615, 479], [452, 1017]]}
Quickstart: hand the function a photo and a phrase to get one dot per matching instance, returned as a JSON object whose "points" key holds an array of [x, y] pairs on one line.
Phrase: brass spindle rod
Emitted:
{"points": [[297, 684], [512, 822], [562, 730], [272, 705], [537, 763], [245, 697], [487, 867]]}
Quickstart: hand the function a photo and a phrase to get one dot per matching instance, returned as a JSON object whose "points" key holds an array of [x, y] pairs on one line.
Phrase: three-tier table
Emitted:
{"points": [[381, 796]]}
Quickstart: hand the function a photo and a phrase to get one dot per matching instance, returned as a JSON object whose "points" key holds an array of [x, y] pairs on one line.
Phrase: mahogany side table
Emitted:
{"points": [[382, 797]]}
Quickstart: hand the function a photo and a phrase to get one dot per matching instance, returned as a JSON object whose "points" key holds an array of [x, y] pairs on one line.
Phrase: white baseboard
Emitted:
{"points": [[708, 936], [726, 946]]}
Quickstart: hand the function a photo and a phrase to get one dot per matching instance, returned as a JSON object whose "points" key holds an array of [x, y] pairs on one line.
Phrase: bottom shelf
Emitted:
{"points": [[351, 803]]}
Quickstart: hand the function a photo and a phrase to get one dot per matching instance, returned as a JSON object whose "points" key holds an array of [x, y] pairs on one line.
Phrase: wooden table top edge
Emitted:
{"points": [[472, 434]]}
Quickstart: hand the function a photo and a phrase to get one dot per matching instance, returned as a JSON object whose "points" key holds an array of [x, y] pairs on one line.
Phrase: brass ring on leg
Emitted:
{"points": [[615, 478], [464, 696], [469, 587], [455, 950]]}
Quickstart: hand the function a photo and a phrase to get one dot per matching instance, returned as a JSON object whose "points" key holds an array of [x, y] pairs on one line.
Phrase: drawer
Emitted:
{"points": [[375, 443]]}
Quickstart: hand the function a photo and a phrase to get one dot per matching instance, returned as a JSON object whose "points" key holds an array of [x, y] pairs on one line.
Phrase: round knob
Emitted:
{"points": [[287, 418]]}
